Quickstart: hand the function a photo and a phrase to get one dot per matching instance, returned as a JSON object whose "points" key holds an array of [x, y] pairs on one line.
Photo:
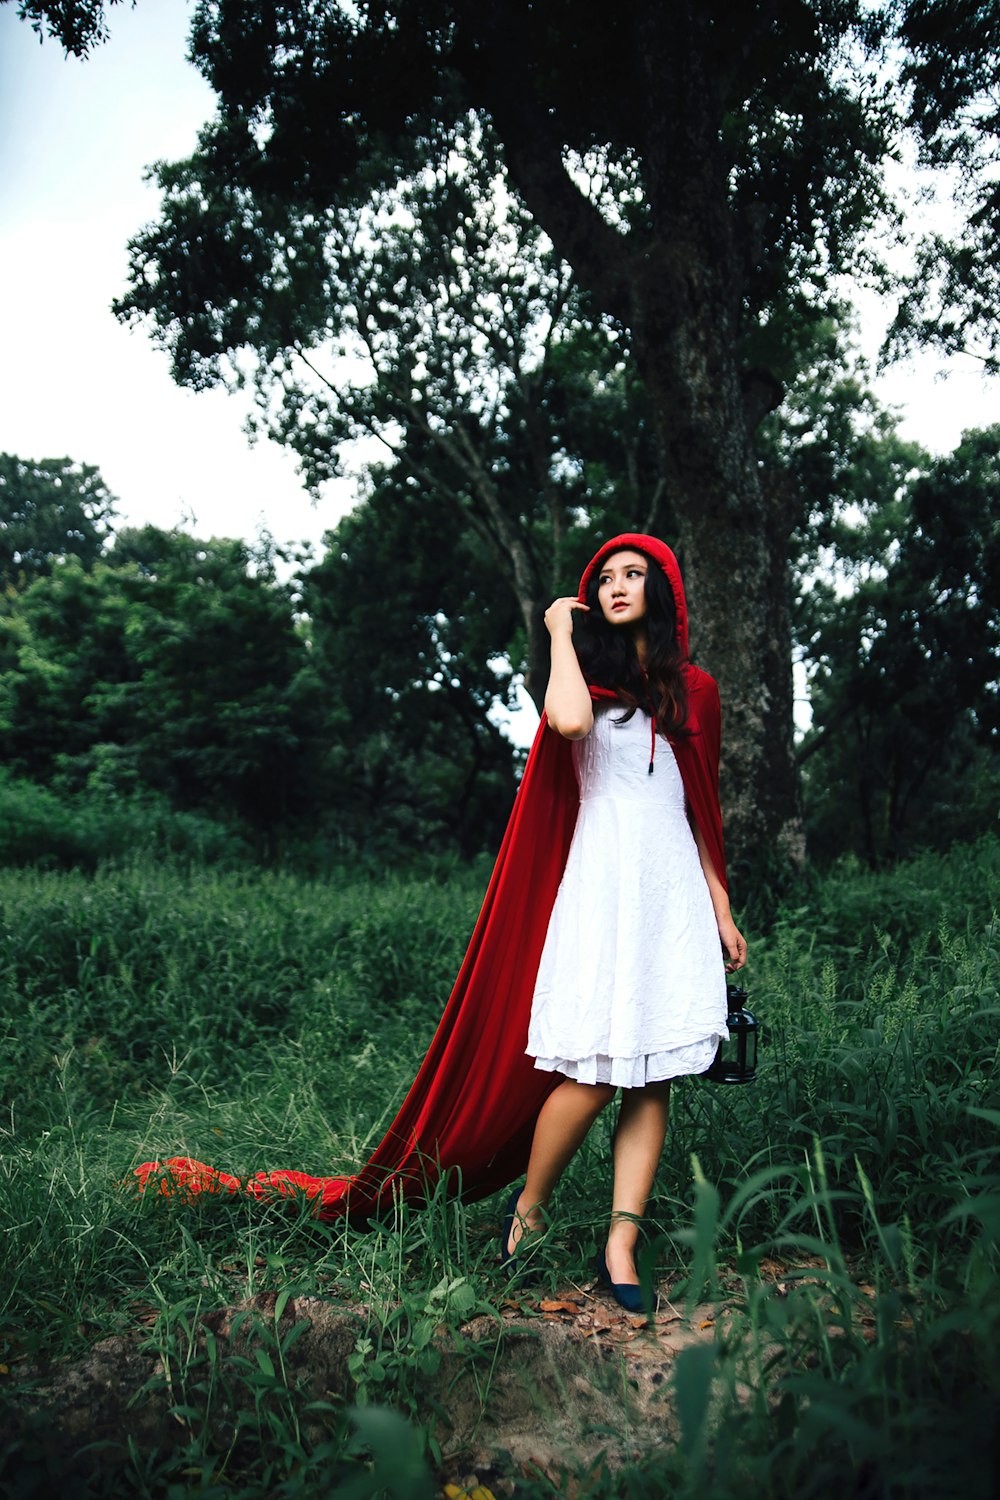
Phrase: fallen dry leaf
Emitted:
{"points": [[144, 1313]]}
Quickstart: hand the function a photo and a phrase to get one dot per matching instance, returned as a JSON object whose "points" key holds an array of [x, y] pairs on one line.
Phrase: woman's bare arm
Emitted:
{"points": [[567, 697], [733, 941]]}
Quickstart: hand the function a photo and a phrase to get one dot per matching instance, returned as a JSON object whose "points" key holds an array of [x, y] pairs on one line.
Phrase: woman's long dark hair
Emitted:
{"points": [[608, 657]]}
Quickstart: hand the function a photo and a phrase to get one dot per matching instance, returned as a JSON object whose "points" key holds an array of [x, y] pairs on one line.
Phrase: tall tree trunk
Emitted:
{"points": [[738, 589], [676, 284], [733, 539]]}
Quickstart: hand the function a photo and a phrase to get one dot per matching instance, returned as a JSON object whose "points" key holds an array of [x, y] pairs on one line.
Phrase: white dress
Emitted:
{"points": [[631, 985]]}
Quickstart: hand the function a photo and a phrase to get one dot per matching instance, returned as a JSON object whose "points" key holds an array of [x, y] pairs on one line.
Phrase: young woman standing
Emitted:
{"points": [[630, 990], [596, 962]]}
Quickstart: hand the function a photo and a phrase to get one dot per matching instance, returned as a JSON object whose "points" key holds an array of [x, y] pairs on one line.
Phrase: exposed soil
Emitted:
{"points": [[580, 1385], [562, 1382]]}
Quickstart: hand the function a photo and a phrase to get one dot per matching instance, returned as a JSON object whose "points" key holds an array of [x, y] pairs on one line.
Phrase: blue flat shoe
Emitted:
{"points": [[508, 1257], [626, 1295], [510, 1261]]}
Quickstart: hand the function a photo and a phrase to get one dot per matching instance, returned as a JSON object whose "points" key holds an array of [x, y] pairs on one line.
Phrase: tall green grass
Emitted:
{"points": [[254, 1019]]}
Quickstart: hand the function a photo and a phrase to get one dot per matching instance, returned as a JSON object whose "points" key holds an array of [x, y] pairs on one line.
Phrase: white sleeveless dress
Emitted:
{"points": [[631, 986]]}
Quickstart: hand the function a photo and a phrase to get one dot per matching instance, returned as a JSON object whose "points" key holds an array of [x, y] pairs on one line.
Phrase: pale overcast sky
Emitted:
{"points": [[74, 140]]}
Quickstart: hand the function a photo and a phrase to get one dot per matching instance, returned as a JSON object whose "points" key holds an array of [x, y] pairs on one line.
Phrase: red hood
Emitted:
{"points": [[660, 553]]}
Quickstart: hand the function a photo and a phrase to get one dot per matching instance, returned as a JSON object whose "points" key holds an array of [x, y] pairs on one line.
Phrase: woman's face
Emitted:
{"points": [[621, 588]]}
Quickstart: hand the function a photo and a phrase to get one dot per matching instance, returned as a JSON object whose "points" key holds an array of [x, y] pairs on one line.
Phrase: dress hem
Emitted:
{"points": [[636, 1072]]}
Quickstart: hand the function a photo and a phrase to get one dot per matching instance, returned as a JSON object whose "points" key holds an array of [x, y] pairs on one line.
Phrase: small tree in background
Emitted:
{"points": [[50, 508], [905, 651]]}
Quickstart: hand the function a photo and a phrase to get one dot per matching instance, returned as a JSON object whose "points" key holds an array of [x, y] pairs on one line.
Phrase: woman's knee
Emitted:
{"points": [[591, 1096]]}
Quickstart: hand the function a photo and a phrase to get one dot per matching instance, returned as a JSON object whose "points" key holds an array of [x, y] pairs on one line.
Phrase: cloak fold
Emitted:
{"points": [[471, 1110]]}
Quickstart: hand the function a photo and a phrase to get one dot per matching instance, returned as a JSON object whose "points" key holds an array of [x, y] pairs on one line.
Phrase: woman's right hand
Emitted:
{"points": [[559, 615]]}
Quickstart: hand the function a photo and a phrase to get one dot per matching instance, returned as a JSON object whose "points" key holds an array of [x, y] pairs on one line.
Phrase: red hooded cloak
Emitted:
{"points": [[471, 1110]]}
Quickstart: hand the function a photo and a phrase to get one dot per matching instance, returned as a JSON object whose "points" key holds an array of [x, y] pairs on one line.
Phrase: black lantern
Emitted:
{"points": [[736, 1059]]}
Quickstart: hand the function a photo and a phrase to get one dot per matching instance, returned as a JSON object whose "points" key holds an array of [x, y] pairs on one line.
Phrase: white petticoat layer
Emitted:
{"points": [[635, 1072], [631, 985]]}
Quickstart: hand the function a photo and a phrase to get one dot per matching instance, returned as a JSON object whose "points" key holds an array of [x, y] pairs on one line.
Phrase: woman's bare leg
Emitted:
{"points": [[564, 1120], [642, 1129]]}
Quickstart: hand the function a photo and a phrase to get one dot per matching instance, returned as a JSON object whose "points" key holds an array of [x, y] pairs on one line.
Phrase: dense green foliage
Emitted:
{"points": [[171, 693], [168, 666], [446, 194], [342, 710], [256, 1019], [900, 632], [402, 214], [48, 510]]}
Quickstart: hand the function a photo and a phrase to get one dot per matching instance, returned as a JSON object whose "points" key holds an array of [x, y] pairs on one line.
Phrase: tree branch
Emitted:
{"points": [[534, 156]]}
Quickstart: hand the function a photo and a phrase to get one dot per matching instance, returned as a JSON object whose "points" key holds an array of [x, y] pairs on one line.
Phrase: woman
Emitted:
{"points": [[477, 1108], [631, 989]]}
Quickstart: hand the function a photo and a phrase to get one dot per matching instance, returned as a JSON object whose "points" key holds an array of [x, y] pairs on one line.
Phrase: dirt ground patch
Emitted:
{"points": [[564, 1381], [580, 1384]]}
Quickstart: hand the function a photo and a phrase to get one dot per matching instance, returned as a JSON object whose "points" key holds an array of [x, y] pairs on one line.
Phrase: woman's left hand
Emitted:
{"points": [[734, 944]]}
